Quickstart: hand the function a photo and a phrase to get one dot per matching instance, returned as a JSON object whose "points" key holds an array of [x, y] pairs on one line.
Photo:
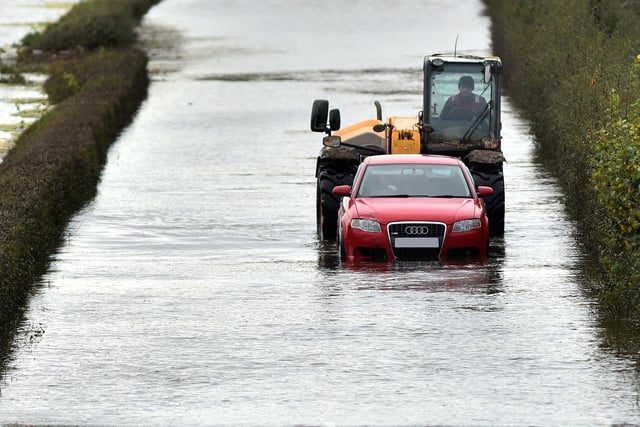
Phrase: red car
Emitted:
{"points": [[412, 206]]}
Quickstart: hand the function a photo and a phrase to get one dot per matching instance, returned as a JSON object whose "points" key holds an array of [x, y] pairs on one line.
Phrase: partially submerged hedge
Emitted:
{"points": [[92, 24], [55, 166], [571, 66]]}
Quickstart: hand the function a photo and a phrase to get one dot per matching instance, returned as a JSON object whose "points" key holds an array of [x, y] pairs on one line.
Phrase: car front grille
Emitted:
{"points": [[416, 240]]}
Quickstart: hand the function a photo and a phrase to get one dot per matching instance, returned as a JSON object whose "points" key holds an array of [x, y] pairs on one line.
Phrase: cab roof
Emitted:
{"points": [[458, 57], [423, 159]]}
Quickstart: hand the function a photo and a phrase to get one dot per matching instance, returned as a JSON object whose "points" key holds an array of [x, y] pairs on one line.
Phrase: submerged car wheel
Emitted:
{"points": [[341, 249], [327, 203]]}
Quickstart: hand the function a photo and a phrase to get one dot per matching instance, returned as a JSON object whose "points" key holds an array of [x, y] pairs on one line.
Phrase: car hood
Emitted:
{"points": [[389, 209]]}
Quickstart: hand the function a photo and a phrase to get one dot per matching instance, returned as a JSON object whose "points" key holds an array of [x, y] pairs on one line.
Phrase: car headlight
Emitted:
{"points": [[366, 225], [466, 225]]}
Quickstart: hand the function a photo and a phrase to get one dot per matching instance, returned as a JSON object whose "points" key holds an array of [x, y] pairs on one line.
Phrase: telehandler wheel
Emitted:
{"points": [[495, 202], [327, 203]]}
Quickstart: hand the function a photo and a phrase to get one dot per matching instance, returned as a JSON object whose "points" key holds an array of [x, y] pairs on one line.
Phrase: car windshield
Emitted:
{"points": [[413, 180]]}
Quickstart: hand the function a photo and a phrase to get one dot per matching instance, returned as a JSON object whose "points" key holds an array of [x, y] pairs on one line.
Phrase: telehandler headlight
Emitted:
{"points": [[331, 141]]}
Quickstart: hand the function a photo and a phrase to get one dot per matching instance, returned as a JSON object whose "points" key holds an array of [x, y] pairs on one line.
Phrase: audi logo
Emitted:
{"points": [[415, 230]]}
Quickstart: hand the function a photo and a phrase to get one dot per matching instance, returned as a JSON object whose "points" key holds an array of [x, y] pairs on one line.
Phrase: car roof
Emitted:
{"points": [[424, 159]]}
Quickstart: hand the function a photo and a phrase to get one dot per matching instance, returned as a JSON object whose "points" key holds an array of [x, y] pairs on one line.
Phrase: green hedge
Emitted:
{"points": [[571, 66], [55, 166], [92, 24]]}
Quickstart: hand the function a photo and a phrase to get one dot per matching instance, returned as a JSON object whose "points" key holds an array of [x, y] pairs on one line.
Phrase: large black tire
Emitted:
{"points": [[495, 203], [327, 204]]}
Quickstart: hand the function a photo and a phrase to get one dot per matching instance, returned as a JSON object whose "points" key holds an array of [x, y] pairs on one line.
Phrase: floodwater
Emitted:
{"points": [[193, 290]]}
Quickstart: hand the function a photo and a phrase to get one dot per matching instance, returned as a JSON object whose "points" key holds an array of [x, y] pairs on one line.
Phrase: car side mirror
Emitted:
{"points": [[485, 191], [341, 190]]}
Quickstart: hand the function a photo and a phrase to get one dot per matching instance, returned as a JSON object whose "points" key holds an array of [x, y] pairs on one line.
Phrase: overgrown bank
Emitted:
{"points": [[97, 81], [573, 67]]}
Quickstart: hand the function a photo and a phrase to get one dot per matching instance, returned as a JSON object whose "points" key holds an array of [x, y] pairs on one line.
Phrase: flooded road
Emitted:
{"points": [[193, 290]]}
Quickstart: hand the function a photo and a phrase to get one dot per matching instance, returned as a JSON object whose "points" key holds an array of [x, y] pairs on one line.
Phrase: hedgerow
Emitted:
{"points": [[92, 24], [616, 181], [571, 67], [55, 166]]}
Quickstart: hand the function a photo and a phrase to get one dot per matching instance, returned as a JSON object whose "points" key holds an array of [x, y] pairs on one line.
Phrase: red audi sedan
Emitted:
{"points": [[412, 207]]}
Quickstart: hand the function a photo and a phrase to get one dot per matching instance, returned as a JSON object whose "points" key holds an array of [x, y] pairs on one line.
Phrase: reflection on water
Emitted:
{"points": [[416, 275], [193, 290]]}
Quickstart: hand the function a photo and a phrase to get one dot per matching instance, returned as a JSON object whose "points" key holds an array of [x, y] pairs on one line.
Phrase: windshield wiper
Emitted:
{"points": [[477, 122]]}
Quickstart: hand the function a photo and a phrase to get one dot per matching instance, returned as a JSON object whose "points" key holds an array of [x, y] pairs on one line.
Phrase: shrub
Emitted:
{"points": [[92, 24], [55, 166]]}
